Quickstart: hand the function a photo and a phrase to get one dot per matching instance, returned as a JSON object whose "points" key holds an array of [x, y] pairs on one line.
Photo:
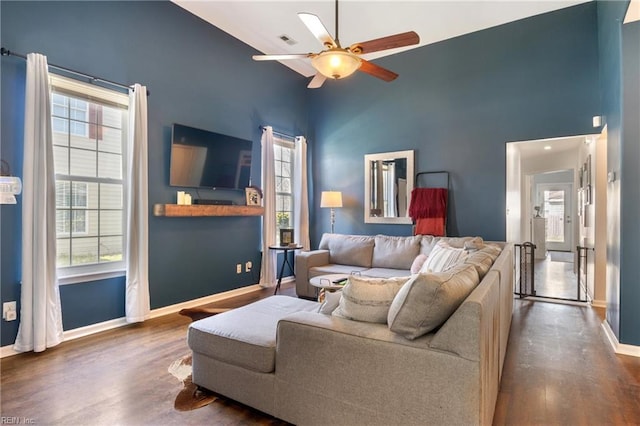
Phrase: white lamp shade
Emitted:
{"points": [[336, 63], [331, 199]]}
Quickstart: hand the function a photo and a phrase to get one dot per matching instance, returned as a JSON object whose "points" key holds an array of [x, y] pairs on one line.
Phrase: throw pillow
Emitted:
{"points": [[443, 257], [483, 259], [330, 303], [475, 243], [417, 263], [368, 299], [493, 250], [426, 301]]}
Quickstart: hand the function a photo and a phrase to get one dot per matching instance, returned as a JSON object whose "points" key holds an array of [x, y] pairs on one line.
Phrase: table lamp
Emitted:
{"points": [[331, 199]]}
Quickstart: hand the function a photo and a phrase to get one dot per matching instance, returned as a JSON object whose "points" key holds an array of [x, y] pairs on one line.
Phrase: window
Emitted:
{"points": [[89, 137], [71, 208], [70, 115], [284, 155]]}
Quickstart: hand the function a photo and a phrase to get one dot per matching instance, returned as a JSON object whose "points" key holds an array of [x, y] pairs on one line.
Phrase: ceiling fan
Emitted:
{"points": [[337, 62]]}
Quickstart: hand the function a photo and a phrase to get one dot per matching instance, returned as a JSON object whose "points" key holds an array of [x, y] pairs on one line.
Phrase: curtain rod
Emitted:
{"points": [[278, 133], [93, 79]]}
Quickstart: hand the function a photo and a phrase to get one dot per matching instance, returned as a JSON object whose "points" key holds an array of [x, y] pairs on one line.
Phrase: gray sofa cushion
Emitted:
{"points": [[427, 243], [395, 252], [368, 299], [385, 272], [483, 259], [427, 300], [356, 250], [332, 268], [246, 336]]}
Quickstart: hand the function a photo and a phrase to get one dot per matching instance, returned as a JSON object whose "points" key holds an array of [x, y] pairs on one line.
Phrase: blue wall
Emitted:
{"points": [[630, 187], [198, 76], [457, 103], [610, 16], [619, 80]]}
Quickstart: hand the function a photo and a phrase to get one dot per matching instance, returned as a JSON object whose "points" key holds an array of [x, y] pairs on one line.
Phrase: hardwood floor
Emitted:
{"points": [[556, 278], [559, 370]]}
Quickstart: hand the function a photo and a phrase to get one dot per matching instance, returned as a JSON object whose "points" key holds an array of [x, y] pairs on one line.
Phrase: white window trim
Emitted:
{"points": [[87, 275], [88, 90], [94, 271], [290, 144]]}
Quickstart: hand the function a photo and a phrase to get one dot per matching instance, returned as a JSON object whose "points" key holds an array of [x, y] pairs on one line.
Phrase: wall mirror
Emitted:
{"points": [[388, 182]]}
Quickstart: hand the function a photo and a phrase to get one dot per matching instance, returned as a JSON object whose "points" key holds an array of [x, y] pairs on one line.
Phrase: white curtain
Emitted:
{"points": [[301, 207], [137, 304], [40, 316], [269, 267]]}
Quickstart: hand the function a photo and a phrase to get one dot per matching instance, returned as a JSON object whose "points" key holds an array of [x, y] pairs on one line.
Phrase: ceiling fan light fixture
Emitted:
{"points": [[336, 63]]}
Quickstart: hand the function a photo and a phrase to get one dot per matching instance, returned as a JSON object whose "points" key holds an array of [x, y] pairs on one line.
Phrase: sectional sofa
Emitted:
{"points": [[285, 357]]}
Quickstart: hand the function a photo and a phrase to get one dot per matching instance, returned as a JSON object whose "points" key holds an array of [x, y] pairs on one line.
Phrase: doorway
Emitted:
{"points": [[545, 188], [556, 202]]}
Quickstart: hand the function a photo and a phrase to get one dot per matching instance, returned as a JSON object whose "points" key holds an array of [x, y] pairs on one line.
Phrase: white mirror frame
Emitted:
{"points": [[368, 158]]}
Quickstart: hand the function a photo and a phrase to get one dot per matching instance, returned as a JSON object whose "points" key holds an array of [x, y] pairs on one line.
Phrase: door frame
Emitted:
{"points": [[569, 212]]}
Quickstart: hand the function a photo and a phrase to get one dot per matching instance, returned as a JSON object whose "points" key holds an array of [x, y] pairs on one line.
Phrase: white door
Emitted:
{"points": [[556, 202]]}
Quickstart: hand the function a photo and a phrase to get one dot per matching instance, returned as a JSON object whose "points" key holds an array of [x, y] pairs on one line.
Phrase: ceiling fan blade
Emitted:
{"points": [[377, 71], [281, 57], [317, 28], [317, 81], [390, 42]]}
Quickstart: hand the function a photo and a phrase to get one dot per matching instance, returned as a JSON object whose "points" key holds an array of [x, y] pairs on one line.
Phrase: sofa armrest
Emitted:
{"points": [[304, 261], [473, 332], [462, 333]]}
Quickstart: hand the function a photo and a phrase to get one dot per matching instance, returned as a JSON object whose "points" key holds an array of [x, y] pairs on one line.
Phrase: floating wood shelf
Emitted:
{"points": [[178, 210]]}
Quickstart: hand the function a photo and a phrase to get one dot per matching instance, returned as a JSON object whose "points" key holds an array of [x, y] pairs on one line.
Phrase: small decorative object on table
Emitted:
{"points": [[286, 237], [537, 209], [253, 195]]}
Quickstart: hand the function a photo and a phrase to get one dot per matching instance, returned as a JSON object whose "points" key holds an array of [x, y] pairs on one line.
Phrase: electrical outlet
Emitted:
{"points": [[248, 266], [9, 311], [239, 268]]}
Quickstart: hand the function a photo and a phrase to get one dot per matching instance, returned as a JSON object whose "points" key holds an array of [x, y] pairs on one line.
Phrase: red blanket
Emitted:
{"points": [[428, 209], [430, 226], [428, 202]]}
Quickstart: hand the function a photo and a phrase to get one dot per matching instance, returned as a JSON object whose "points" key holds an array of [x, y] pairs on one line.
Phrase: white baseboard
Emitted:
{"points": [[88, 330], [619, 348], [6, 351], [171, 309]]}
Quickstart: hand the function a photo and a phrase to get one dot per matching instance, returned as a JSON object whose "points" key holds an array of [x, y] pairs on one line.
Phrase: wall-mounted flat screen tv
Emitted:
{"points": [[203, 159]]}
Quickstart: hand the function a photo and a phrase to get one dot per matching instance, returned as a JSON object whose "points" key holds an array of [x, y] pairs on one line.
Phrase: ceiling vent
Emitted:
{"points": [[287, 39]]}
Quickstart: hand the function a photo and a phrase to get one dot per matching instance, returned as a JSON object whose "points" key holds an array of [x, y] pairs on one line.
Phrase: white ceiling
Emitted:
{"points": [[260, 23], [536, 148]]}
